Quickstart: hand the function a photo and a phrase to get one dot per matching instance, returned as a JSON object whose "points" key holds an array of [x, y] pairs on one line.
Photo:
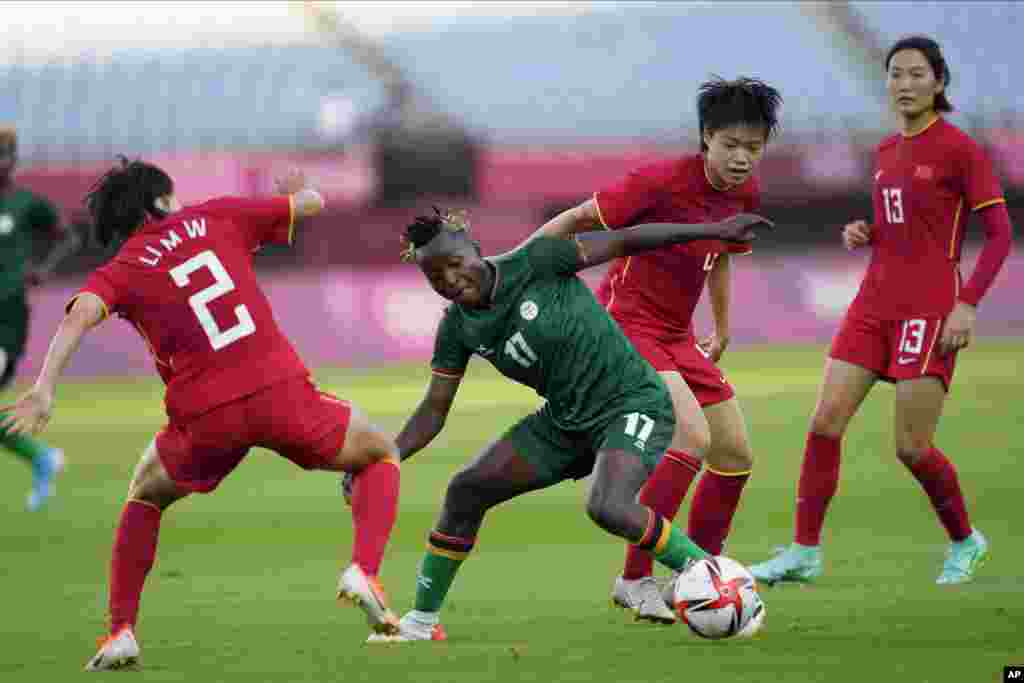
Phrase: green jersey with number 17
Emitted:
{"points": [[545, 329]]}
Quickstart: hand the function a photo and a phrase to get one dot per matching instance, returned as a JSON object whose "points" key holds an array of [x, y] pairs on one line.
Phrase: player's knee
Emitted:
{"points": [[155, 488], [467, 492], [731, 456], [693, 438]]}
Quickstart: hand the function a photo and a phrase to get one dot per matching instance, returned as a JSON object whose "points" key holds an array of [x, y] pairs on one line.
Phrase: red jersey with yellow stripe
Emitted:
{"points": [[658, 291], [187, 285], [926, 185]]}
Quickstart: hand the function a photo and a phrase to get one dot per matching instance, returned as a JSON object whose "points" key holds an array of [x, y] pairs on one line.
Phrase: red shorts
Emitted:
{"points": [[897, 350], [680, 353], [291, 418]]}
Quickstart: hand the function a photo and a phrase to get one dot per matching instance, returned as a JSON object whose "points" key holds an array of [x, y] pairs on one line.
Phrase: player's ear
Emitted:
{"points": [[166, 204], [706, 136]]}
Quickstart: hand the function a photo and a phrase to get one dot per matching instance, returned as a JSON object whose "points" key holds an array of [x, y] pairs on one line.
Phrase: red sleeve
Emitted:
{"points": [[981, 186], [103, 284], [621, 204], [998, 240], [264, 220]]}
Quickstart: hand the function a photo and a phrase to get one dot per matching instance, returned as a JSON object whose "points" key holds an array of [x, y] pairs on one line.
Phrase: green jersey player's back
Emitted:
{"points": [[545, 329], [22, 214]]}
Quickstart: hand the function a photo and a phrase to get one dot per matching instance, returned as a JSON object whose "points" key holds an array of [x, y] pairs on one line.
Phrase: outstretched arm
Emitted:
{"points": [[582, 218], [32, 411], [599, 247], [428, 419]]}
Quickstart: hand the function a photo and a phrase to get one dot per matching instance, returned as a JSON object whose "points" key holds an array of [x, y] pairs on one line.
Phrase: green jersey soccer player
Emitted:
{"points": [[607, 411], [24, 214]]}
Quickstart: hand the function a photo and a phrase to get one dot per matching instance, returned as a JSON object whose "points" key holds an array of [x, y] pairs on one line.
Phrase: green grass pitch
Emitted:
{"points": [[243, 588]]}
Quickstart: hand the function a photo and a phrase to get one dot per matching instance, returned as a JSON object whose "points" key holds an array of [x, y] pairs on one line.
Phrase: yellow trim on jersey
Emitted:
{"points": [[990, 202], [72, 300], [291, 218], [928, 356], [450, 554], [600, 216], [956, 228], [143, 502], [727, 474], [666, 533], [932, 123]]}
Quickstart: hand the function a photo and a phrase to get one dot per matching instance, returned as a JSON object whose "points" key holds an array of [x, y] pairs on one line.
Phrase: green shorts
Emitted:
{"points": [[643, 427], [13, 332]]}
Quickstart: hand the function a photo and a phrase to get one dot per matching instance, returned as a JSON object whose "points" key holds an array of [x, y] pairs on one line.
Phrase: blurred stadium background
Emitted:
{"points": [[514, 110]]}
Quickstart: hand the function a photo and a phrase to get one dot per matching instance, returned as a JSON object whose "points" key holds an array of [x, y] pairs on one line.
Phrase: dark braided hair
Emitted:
{"points": [[744, 101], [933, 53], [121, 200], [423, 229]]}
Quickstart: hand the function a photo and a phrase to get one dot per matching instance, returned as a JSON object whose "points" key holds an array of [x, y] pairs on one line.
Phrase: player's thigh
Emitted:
{"points": [[859, 356], [730, 446], [692, 433], [548, 453], [917, 409], [151, 482]]}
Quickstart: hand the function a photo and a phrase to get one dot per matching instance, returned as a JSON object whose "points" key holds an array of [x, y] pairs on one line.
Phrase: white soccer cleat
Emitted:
{"points": [[411, 629], [44, 472], [116, 652], [365, 592], [644, 598]]}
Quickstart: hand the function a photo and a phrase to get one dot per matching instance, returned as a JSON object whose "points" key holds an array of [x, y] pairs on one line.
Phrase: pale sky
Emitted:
{"points": [[44, 30]]}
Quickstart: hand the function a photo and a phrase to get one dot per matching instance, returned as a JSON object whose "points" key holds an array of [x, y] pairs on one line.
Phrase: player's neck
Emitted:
{"points": [[919, 124], [713, 179]]}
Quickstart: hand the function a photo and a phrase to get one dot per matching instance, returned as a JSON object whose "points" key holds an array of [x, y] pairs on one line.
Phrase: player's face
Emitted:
{"points": [[734, 152], [455, 270], [912, 84]]}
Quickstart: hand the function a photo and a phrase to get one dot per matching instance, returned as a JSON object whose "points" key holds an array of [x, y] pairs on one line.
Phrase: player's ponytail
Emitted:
{"points": [[933, 53], [124, 197]]}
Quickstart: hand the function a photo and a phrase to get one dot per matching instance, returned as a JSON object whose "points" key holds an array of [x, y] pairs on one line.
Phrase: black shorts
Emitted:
{"points": [[13, 332]]}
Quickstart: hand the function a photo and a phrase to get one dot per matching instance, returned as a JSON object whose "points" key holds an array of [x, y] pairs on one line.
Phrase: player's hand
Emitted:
{"points": [[743, 227], [856, 235], [30, 414], [347, 482], [294, 180], [959, 330], [713, 346]]}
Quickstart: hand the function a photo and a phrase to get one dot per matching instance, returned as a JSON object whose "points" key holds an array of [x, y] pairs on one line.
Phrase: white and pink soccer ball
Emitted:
{"points": [[717, 598]]}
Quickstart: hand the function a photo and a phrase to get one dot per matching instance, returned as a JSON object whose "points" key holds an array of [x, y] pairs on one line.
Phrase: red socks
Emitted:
{"points": [[819, 478], [938, 479], [374, 507], [133, 555], [663, 492], [713, 506]]}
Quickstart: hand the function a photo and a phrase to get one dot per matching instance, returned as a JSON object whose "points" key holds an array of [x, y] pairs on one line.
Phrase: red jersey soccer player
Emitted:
{"points": [[911, 315], [653, 296], [184, 278]]}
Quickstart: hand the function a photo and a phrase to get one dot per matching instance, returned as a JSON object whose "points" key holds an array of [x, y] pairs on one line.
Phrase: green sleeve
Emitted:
{"points": [[43, 216], [450, 355], [554, 256]]}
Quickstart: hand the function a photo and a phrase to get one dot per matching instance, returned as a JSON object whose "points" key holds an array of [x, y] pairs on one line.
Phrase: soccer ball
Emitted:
{"points": [[717, 598]]}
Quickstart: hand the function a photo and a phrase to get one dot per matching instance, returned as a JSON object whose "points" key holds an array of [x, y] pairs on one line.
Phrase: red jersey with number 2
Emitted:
{"points": [[925, 187], [188, 286], [658, 291]]}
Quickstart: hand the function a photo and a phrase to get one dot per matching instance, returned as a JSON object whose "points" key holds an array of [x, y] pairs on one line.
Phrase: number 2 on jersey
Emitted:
{"points": [[892, 197], [222, 284]]}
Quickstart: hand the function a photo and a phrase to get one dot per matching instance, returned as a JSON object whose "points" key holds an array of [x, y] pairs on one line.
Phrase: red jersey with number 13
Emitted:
{"points": [[658, 291], [188, 286], [925, 187]]}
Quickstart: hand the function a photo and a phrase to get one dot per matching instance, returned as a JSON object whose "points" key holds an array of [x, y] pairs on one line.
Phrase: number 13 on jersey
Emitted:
{"points": [[892, 198]]}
